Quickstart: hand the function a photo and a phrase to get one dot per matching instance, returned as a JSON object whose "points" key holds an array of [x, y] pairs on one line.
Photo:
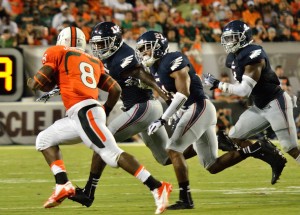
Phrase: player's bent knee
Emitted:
{"points": [[110, 157], [231, 133], [43, 141]]}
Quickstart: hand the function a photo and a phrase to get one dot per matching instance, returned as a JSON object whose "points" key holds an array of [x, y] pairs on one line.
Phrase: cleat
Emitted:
{"points": [[273, 156], [81, 197], [161, 197], [225, 143], [61, 192], [181, 205]]}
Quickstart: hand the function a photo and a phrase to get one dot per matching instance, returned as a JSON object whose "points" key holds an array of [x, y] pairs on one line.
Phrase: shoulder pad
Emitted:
{"points": [[175, 61], [251, 54]]}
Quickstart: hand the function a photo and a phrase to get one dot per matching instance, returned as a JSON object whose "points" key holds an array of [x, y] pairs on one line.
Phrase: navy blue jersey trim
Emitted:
{"points": [[139, 112]]}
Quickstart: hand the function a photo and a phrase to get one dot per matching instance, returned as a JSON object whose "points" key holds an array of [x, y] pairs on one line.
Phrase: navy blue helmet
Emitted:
{"points": [[106, 39], [236, 35], [152, 41]]}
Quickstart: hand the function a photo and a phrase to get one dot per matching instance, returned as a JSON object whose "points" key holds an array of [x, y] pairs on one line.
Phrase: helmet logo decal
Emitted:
{"points": [[126, 61], [176, 63], [246, 27], [159, 36], [255, 53], [115, 29]]}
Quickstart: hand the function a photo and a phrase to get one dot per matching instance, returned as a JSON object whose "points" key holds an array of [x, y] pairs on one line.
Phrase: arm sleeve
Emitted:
{"points": [[241, 89]]}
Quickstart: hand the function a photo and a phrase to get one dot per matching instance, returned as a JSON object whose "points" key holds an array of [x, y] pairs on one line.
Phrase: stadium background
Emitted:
{"points": [[191, 26], [22, 119], [25, 179]]}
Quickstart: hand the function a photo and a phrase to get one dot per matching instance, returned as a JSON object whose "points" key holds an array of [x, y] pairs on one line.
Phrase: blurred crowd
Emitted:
{"points": [[187, 22]]}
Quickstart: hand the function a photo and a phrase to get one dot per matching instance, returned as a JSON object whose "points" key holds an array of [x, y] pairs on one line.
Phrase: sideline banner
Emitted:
{"points": [[21, 122]]}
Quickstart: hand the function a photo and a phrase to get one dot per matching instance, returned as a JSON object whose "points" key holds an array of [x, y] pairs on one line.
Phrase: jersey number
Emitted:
{"points": [[87, 75]]}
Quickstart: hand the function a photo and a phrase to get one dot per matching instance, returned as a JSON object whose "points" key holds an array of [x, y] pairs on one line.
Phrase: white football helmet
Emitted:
{"points": [[72, 37]]}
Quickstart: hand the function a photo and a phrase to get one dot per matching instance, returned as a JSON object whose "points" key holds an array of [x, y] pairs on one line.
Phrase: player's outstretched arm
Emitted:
{"points": [[244, 88], [145, 77], [108, 84]]}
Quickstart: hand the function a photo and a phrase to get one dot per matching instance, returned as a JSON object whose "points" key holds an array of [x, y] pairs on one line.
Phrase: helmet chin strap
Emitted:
{"points": [[148, 61]]}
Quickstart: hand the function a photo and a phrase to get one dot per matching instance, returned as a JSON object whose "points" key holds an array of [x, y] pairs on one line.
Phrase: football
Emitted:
{"points": [[48, 86]]}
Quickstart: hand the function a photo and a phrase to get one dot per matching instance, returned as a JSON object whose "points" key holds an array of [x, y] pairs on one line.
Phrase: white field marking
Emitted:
{"points": [[261, 190], [28, 181], [32, 147], [41, 207]]}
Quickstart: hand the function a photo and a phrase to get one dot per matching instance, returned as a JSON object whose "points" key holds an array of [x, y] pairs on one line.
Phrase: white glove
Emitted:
{"points": [[211, 81], [176, 116], [155, 126], [45, 97], [132, 82], [294, 100]]}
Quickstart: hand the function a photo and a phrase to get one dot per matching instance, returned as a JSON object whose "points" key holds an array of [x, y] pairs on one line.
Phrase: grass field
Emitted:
{"points": [[245, 189]]}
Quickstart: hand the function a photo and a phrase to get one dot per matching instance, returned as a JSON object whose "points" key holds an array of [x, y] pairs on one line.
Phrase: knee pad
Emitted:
{"points": [[45, 140], [110, 157], [287, 139]]}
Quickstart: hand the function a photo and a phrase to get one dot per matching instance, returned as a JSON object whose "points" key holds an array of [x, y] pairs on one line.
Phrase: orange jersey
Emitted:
{"points": [[77, 73]]}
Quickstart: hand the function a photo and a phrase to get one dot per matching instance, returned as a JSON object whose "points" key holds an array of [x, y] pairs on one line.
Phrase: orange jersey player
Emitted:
{"points": [[76, 73], [78, 76]]}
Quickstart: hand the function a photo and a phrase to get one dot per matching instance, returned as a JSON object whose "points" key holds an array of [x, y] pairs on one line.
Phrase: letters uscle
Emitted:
{"points": [[24, 123]]}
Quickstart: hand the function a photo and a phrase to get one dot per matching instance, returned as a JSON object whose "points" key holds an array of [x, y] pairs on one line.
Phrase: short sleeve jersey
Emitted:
{"points": [[120, 62], [172, 62], [77, 73], [267, 87]]}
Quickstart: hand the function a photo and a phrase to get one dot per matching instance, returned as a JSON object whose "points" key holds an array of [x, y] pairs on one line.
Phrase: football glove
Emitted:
{"points": [[176, 116], [132, 82], [155, 126], [45, 97], [211, 81]]}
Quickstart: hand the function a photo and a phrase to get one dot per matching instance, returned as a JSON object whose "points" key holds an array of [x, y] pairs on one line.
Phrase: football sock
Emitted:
{"points": [[61, 178], [144, 176], [152, 183], [185, 192], [247, 151], [91, 184], [59, 171]]}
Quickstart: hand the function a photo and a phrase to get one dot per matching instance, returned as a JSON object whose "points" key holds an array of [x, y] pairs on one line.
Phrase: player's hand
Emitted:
{"points": [[155, 126], [211, 81], [45, 97], [132, 82], [176, 116], [173, 121]]}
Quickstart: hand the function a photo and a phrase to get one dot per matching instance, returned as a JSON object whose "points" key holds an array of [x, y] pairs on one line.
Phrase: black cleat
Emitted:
{"points": [[81, 197], [273, 156], [225, 143], [180, 205]]}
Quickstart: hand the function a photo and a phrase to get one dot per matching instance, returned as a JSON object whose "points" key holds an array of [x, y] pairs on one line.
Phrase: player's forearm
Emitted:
{"points": [[241, 89], [113, 96]]}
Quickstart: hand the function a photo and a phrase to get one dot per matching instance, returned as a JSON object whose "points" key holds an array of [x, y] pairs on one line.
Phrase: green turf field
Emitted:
{"points": [[26, 182]]}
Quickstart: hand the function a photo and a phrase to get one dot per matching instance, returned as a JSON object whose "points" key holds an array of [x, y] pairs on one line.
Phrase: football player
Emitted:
{"points": [[140, 108], [78, 76], [254, 77], [196, 115]]}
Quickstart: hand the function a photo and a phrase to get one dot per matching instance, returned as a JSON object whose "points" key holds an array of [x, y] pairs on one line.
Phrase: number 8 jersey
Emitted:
{"points": [[77, 73]]}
